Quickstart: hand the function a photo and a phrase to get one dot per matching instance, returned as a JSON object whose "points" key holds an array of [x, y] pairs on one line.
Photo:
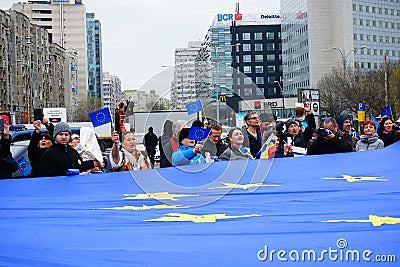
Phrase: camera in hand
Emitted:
{"points": [[396, 127], [323, 132]]}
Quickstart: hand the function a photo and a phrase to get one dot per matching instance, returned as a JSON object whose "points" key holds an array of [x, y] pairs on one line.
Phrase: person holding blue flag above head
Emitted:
{"points": [[7, 163], [236, 150], [38, 144], [188, 151], [125, 156]]}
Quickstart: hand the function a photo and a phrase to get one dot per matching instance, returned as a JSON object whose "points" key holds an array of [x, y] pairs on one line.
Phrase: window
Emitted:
{"points": [[270, 46], [258, 36], [247, 91], [259, 69], [246, 47], [246, 58], [258, 47], [259, 91], [247, 69], [259, 80], [258, 58], [271, 69], [246, 36], [247, 80], [270, 35], [271, 57]]}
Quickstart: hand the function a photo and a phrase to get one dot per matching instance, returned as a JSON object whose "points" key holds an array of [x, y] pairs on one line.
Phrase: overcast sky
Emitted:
{"points": [[140, 36]]}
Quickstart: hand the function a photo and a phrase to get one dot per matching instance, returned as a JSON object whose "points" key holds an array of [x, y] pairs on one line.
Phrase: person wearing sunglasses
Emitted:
{"points": [[252, 135]]}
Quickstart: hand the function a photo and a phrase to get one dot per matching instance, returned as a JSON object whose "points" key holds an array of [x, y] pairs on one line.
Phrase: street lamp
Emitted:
{"points": [[283, 98], [344, 56]]}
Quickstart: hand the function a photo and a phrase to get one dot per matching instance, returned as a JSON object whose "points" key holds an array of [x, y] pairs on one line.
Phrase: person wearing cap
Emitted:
{"points": [[38, 144], [61, 156], [370, 139], [188, 151], [344, 123], [292, 135], [329, 140]]}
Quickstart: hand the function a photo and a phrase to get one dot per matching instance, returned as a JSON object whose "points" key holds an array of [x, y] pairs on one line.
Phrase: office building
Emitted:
{"points": [[321, 35], [240, 57], [94, 57], [111, 91], [183, 84], [66, 23]]}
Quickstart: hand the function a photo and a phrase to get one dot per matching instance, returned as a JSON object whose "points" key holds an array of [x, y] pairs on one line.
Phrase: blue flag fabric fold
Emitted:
{"points": [[24, 166], [100, 117], [386, 111], [376, 123], [194, 107], [198, 134]]}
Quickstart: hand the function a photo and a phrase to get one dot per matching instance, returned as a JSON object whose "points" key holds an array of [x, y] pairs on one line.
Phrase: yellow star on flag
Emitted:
{"points": [[352, 179], [207, 218], [375, 220], [160, 196], [243, 186], [145, 207]]}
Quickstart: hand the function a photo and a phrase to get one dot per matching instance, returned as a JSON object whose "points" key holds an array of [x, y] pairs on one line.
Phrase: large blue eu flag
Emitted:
{"points": [[100, 117]]}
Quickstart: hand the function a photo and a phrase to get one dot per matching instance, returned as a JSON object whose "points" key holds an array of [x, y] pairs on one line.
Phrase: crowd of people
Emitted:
{"points": [[58, 152]]}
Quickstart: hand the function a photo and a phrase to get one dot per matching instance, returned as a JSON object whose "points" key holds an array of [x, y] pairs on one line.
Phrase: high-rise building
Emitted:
{"points": [[320, 35], [65, 22], [94, 57], [183, 84], [111, 90], [240, 56]]}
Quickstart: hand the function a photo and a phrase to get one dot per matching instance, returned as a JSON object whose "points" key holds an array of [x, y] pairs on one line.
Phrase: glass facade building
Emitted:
{"points": [[94, 60]]}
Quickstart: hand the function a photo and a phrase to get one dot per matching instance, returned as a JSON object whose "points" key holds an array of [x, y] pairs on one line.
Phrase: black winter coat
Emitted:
{"points": [[59, 158]]}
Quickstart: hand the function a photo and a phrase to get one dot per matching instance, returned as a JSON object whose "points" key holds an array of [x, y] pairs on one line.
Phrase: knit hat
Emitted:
{"points": [[61, 127], [290, 122], [184, 133], [340, 119]]}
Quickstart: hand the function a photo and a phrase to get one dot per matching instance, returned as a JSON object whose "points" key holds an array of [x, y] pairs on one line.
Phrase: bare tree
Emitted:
{"points": [[341, 93]]}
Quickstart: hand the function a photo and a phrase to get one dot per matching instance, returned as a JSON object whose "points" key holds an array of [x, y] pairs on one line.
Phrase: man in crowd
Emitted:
{"points": [[329, 140], [344, 123], [150, 142], [213, 144], [252, 134]]}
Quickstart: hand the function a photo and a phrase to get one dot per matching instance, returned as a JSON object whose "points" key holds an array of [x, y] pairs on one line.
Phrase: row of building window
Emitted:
{"points": [[376, 23], [378, 39], [257, 36], [377, 10]]}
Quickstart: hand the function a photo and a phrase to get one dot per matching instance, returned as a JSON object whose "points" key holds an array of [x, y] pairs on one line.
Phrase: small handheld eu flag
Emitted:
{"points": [[100, 117], [194, 107], [198, 134], [386, 111], [24, 166]]}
